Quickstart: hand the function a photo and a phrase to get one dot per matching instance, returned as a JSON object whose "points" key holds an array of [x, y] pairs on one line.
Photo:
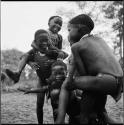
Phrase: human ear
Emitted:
{"points": [[49, 23], [84, 30]]}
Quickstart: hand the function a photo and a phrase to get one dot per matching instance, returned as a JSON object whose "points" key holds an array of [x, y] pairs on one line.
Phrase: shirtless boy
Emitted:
{"points": [[99, 71]]}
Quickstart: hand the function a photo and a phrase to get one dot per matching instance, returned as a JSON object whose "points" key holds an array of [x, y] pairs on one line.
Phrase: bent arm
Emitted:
{"points": [[76, 50], [71, 70], [38, 90]]}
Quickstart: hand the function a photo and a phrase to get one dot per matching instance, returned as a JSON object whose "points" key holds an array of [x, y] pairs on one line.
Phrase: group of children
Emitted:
{"points": [[93, 69]]}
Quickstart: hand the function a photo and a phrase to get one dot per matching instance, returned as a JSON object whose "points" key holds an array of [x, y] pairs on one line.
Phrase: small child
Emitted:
{"points": [[55, 24], [58, 75], [55, 42], [99, 71]]}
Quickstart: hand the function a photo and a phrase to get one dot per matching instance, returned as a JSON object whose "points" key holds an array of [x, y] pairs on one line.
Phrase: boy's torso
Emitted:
{"points": [[44, 71], [97, 57]]}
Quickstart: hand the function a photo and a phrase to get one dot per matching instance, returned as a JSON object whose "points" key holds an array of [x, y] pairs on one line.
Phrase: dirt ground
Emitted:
{"points": [[17, 108]]}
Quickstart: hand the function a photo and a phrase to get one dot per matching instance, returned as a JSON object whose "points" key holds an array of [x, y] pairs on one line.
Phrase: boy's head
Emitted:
{"points": [[78, 27], [59, 71], [55, 24], [41, 39]]}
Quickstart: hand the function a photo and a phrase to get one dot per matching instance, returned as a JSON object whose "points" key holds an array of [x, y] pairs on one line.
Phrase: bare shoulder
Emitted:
{"points": [[79, 45], [75, 46]]}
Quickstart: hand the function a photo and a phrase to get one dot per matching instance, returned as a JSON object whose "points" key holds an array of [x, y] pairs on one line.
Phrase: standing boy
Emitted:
{"points": [[43, 57]]}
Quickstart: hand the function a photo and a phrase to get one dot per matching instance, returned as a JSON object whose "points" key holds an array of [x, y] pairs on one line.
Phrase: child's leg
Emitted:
{"points": [[73, 109], [40, 103], [39, 109], [92, 108], [55, 109], [87, 105], [16, 75], [105, 84]]}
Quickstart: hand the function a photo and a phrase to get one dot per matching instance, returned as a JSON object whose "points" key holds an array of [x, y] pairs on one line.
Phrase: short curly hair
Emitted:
{"points": [[52, 17], [59, 63], [84, 20], [38, 32]]}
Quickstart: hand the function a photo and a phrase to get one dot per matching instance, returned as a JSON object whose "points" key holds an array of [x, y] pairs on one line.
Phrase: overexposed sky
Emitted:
{"points": [[20, 20]]}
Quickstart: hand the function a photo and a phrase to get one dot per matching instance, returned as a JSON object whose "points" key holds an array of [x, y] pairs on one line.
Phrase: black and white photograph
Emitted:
{"points": [[62, 62]]}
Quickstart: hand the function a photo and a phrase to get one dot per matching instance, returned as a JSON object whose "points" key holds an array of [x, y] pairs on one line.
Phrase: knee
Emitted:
{"points": [[98, 85], [95, 83]]}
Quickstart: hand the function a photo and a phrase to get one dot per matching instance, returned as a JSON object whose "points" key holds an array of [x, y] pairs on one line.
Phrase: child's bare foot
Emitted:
{"points": [[13, 75]]}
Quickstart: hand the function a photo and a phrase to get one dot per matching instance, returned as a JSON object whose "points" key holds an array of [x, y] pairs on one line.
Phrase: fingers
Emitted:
{"points": [[35, 66], [61, 55], [26, 92], [60, 59], [22, 90]]}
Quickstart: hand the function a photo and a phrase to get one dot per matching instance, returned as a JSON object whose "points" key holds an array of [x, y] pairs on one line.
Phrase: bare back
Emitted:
{"points": [[98, 57]]}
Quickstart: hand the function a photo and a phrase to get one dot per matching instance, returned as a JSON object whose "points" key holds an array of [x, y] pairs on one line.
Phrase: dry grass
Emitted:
{"points": [[17, 108]]}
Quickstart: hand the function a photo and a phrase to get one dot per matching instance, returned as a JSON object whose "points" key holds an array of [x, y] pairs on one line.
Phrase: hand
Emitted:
{"points": [[24, 90], [27, 92], [34, 65], [61, 55], [59, 59], [69, 84]]}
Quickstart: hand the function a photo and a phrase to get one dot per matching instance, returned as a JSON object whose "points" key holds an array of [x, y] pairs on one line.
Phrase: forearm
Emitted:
{"points": [[38, 90], [71, 70], [78, 61]]}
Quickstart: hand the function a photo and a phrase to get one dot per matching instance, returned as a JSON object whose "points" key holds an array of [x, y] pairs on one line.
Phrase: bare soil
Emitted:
{"points": [[17, 108]]}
